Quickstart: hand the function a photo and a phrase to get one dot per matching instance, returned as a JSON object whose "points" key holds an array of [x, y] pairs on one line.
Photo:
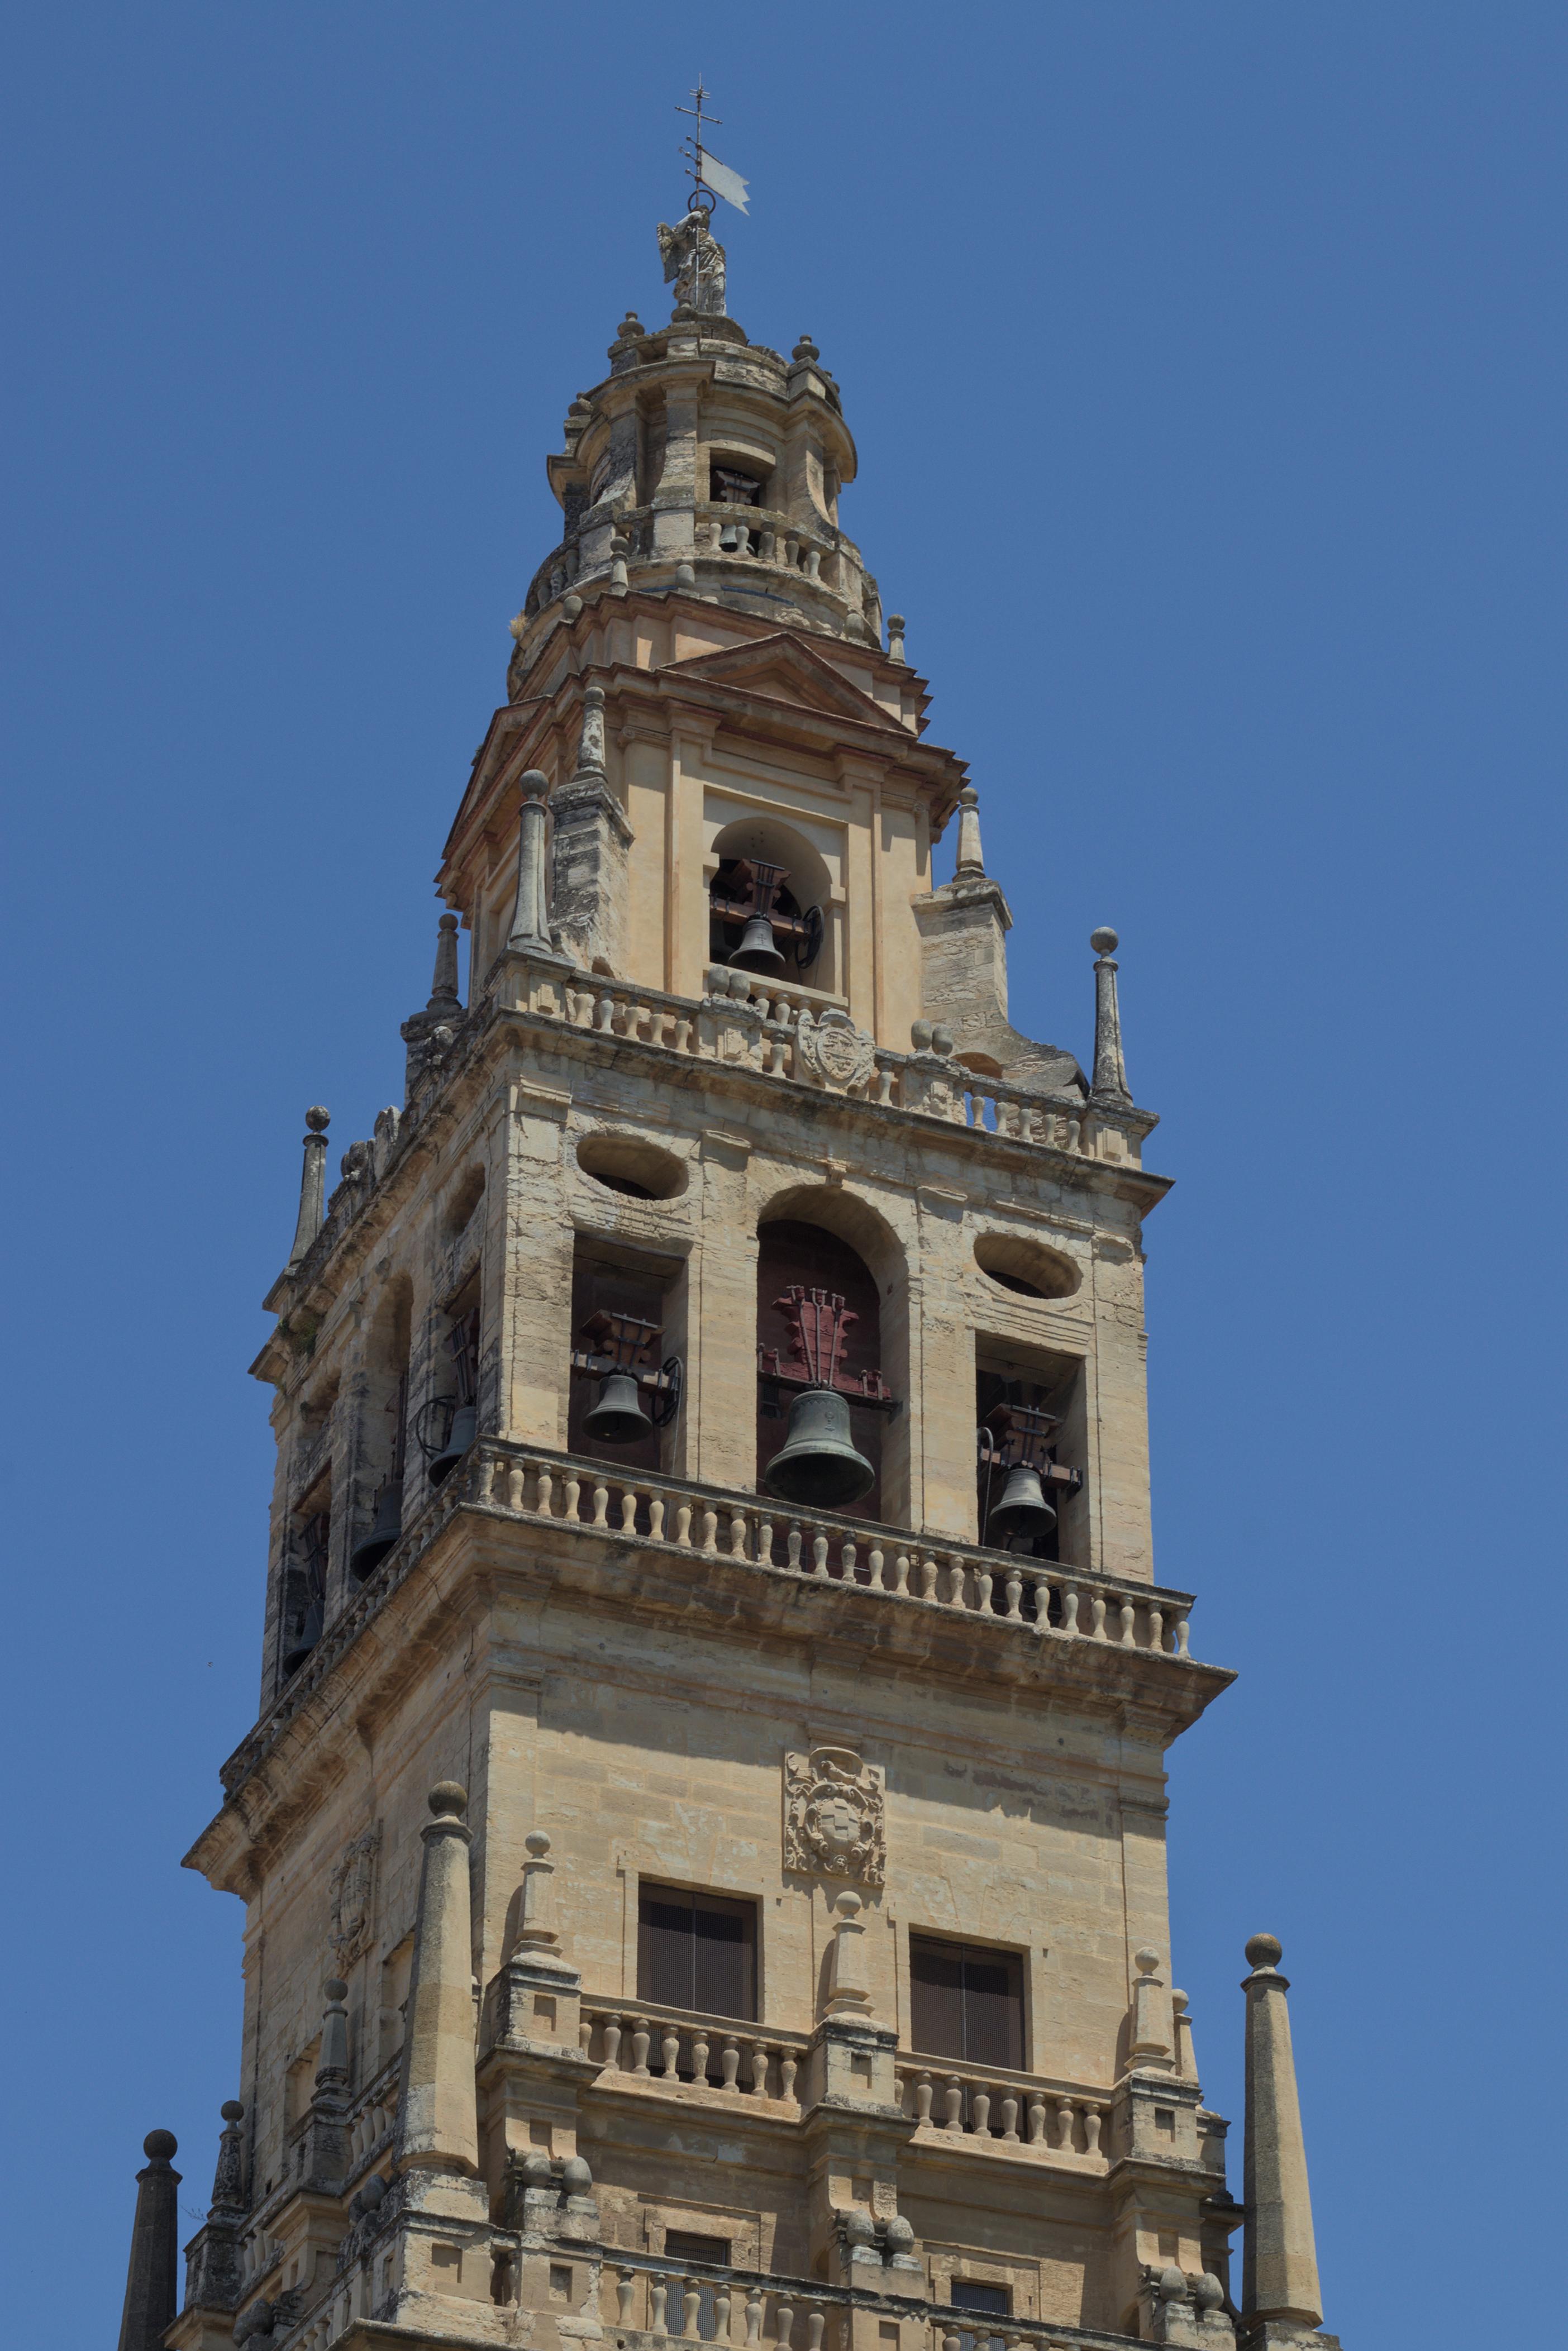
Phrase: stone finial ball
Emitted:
{"points": [[1264, 1951], [160, 2145], [969, 797], [900, 2234], [575, 2175], [316, 1118], [1209, 2294], [849, 1904], [1104, 940], [1173, 2283], [448, 1800], [895, 621], [538, 1844], [1145, 1960], [232, 2111], [334, 1991], [534, 784], [447, 923]]}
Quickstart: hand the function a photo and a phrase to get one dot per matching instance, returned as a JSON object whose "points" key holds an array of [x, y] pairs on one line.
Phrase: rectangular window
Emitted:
{"points": [[995, 2301], [697, 1951], [966, 2001], [681, 2245]]}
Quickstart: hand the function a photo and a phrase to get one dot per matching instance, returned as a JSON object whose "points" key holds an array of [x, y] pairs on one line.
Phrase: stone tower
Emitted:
{"points": [[703, 1835]]}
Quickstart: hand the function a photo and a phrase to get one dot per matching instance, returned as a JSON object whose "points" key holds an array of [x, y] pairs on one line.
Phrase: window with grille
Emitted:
{"points": [[697, 1951], [966, 2000]]}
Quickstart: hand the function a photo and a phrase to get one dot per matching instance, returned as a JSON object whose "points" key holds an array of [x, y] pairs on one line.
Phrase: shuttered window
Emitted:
{"points": [[966, 2001], [697, 1951]]}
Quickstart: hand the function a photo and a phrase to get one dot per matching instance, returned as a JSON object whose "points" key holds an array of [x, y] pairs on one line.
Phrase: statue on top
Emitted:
{"points": [[693, 262]]}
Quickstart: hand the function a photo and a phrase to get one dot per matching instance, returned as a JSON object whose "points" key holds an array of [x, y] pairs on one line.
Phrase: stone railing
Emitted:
{"points": [[984, 2104], [747, 1021], [648, 2301], [681, 2049], [1034, 1595]]}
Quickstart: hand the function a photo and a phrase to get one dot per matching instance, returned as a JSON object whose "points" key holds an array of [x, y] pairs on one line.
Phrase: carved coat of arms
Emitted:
{"points": [[353, 1898], [834, 1051], [834, 1815]]}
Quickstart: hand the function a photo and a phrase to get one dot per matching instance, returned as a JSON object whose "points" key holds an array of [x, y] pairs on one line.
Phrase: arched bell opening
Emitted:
{"points": [[383, 1431], [823, 1398], [770, 906]]}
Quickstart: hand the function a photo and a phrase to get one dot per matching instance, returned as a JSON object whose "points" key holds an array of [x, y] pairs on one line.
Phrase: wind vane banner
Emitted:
{"points": [[721, 179]]}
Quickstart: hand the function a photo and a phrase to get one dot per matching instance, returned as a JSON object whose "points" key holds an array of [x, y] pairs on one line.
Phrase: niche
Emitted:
{"points": [[1028, 1268], [628, 1165]]}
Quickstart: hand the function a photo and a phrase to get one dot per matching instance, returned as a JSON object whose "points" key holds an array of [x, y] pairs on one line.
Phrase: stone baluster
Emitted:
{"points": [[691, 2306], [641, 2038], [1010, 2120], [658, 2295], [760, 2054], [1097, 1618], [683, 1522], [1183, 1633], [1014, 1591], [922, 2095], [765, 1542], [600, 1503], [699, 2058], [754, 2308], [629, 1510], [980, 2113], [613, 2029], [737, 1534], [783, 2322], [954, 1581], [816, 2319], [1037, 2118], [953, 2105], [571, 1491], [1094, 2123], [819, 1553], [513, 1488], [729, 2064], [625, 2295], [1069, 1608], [847, 1557], [1065, 2124], [1156, 1628], [710, 1531], [655, 1516], [670, 2043], [1129, 1618], [545, 1489], [928, 1577], [788, 2066], [983, 1583], [901, 1576]]}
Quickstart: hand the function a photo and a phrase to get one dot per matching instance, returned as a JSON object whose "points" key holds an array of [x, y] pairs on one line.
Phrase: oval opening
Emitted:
{"points": [[625, 1164], [1027, 1267]]}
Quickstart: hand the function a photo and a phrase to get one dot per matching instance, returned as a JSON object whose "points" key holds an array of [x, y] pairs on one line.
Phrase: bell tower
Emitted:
{"points": [[703, 1835]]}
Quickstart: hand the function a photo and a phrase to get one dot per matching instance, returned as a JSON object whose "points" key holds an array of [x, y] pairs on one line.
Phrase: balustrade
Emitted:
{"points": [[1008, 2110], [649, 2044], [750, 1020], [668, 2302], [1050, 1600]]}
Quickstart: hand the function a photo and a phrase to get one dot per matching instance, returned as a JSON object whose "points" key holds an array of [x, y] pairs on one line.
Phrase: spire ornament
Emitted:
{"points": [[439, 2124], [971, 863], [151, 2298], [1109, 1089], [530, 933], [1281, 2268], [312, 1185]]}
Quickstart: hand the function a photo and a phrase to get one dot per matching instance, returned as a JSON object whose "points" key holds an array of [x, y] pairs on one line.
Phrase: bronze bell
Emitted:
{"points": [[618, 1418], [758, 950], [817, 1467], [465, 1428], [1021, 1508], [309, 1634], [368, 1552]]}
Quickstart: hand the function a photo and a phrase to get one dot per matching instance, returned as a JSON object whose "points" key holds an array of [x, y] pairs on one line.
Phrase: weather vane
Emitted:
{"points": [[710, 178]]}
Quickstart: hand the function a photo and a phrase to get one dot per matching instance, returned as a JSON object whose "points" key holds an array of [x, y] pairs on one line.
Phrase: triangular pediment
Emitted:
{"points": [[784, 668]]}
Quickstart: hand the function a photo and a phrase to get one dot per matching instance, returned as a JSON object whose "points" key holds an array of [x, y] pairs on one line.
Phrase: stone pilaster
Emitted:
{"points": [[593, 843]]}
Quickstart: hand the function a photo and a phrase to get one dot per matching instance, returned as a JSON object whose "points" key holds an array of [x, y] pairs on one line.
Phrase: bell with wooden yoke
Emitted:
{"points": [[1021, 1508], [620, 1343], [817, 1467]]}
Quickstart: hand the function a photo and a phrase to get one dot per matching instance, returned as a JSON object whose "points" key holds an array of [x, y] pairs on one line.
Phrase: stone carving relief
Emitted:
{"points": [[834, 1051], [834, 1815], [353, 1898]]}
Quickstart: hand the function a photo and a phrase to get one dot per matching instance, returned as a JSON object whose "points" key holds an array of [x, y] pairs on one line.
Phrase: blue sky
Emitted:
{"points": [[1207, 365]]}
